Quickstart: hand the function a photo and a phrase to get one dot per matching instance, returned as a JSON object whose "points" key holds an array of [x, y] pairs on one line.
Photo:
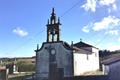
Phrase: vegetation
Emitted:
{"points": [[105, 53], [20, 76], [25, 66]]}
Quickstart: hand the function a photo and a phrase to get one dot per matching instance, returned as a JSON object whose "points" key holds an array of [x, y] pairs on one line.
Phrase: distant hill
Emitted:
{"points": [[18, 59]]}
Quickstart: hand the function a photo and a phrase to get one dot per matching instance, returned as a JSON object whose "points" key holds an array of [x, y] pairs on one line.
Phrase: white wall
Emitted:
{"points": [[86, 62], [105, 69]]}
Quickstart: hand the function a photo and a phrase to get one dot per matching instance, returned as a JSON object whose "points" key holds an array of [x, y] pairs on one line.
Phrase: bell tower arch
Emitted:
{"points": [[53, 31]]}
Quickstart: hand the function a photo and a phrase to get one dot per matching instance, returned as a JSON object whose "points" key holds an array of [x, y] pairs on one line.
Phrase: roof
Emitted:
{"points": [[67, 46], [82, 51], [82, 44], [113, 59]]}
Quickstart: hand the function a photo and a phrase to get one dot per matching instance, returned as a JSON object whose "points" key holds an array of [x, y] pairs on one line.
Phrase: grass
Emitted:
{"points": [[20, 76]]}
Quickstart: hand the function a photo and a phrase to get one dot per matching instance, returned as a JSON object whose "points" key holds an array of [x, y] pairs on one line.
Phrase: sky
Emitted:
{"points": [[23, 24]]}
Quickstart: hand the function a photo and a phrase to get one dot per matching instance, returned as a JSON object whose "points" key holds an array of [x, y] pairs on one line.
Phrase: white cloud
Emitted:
{"points": [[109, 10], [113, 32], [106, 2], [85, 29], [114, 7], [90, 5], [20, 32], [106, 23]]}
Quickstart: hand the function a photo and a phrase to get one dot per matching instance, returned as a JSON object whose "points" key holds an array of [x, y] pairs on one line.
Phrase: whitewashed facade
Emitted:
{"points": [[86, 59]]}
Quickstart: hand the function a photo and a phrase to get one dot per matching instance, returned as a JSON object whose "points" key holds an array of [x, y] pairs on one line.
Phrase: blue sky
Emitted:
{"points": [[23, 24]]}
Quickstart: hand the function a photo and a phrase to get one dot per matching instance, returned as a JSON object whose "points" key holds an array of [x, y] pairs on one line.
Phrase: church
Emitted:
{"points": [[57, 59]]}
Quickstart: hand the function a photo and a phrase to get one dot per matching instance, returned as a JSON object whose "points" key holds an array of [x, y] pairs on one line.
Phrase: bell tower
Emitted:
{"points": [[53, 31]]}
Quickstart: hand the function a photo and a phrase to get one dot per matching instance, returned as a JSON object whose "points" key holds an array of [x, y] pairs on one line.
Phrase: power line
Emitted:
{"points": [[30, 39], [70, 9], [104, 37], [26, 42]]}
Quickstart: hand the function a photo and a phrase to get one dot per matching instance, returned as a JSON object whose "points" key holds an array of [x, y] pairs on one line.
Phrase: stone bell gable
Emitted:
{"points": [[54, 58]]}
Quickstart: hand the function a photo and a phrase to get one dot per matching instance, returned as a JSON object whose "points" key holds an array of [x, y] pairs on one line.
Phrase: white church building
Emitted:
{"points": [[56, 58]]}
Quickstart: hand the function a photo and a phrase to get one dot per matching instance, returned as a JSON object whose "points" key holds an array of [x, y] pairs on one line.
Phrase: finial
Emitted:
{"points": [[58, 20], [53, 11], [80, 40], [37, 46], [48, 21]]}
